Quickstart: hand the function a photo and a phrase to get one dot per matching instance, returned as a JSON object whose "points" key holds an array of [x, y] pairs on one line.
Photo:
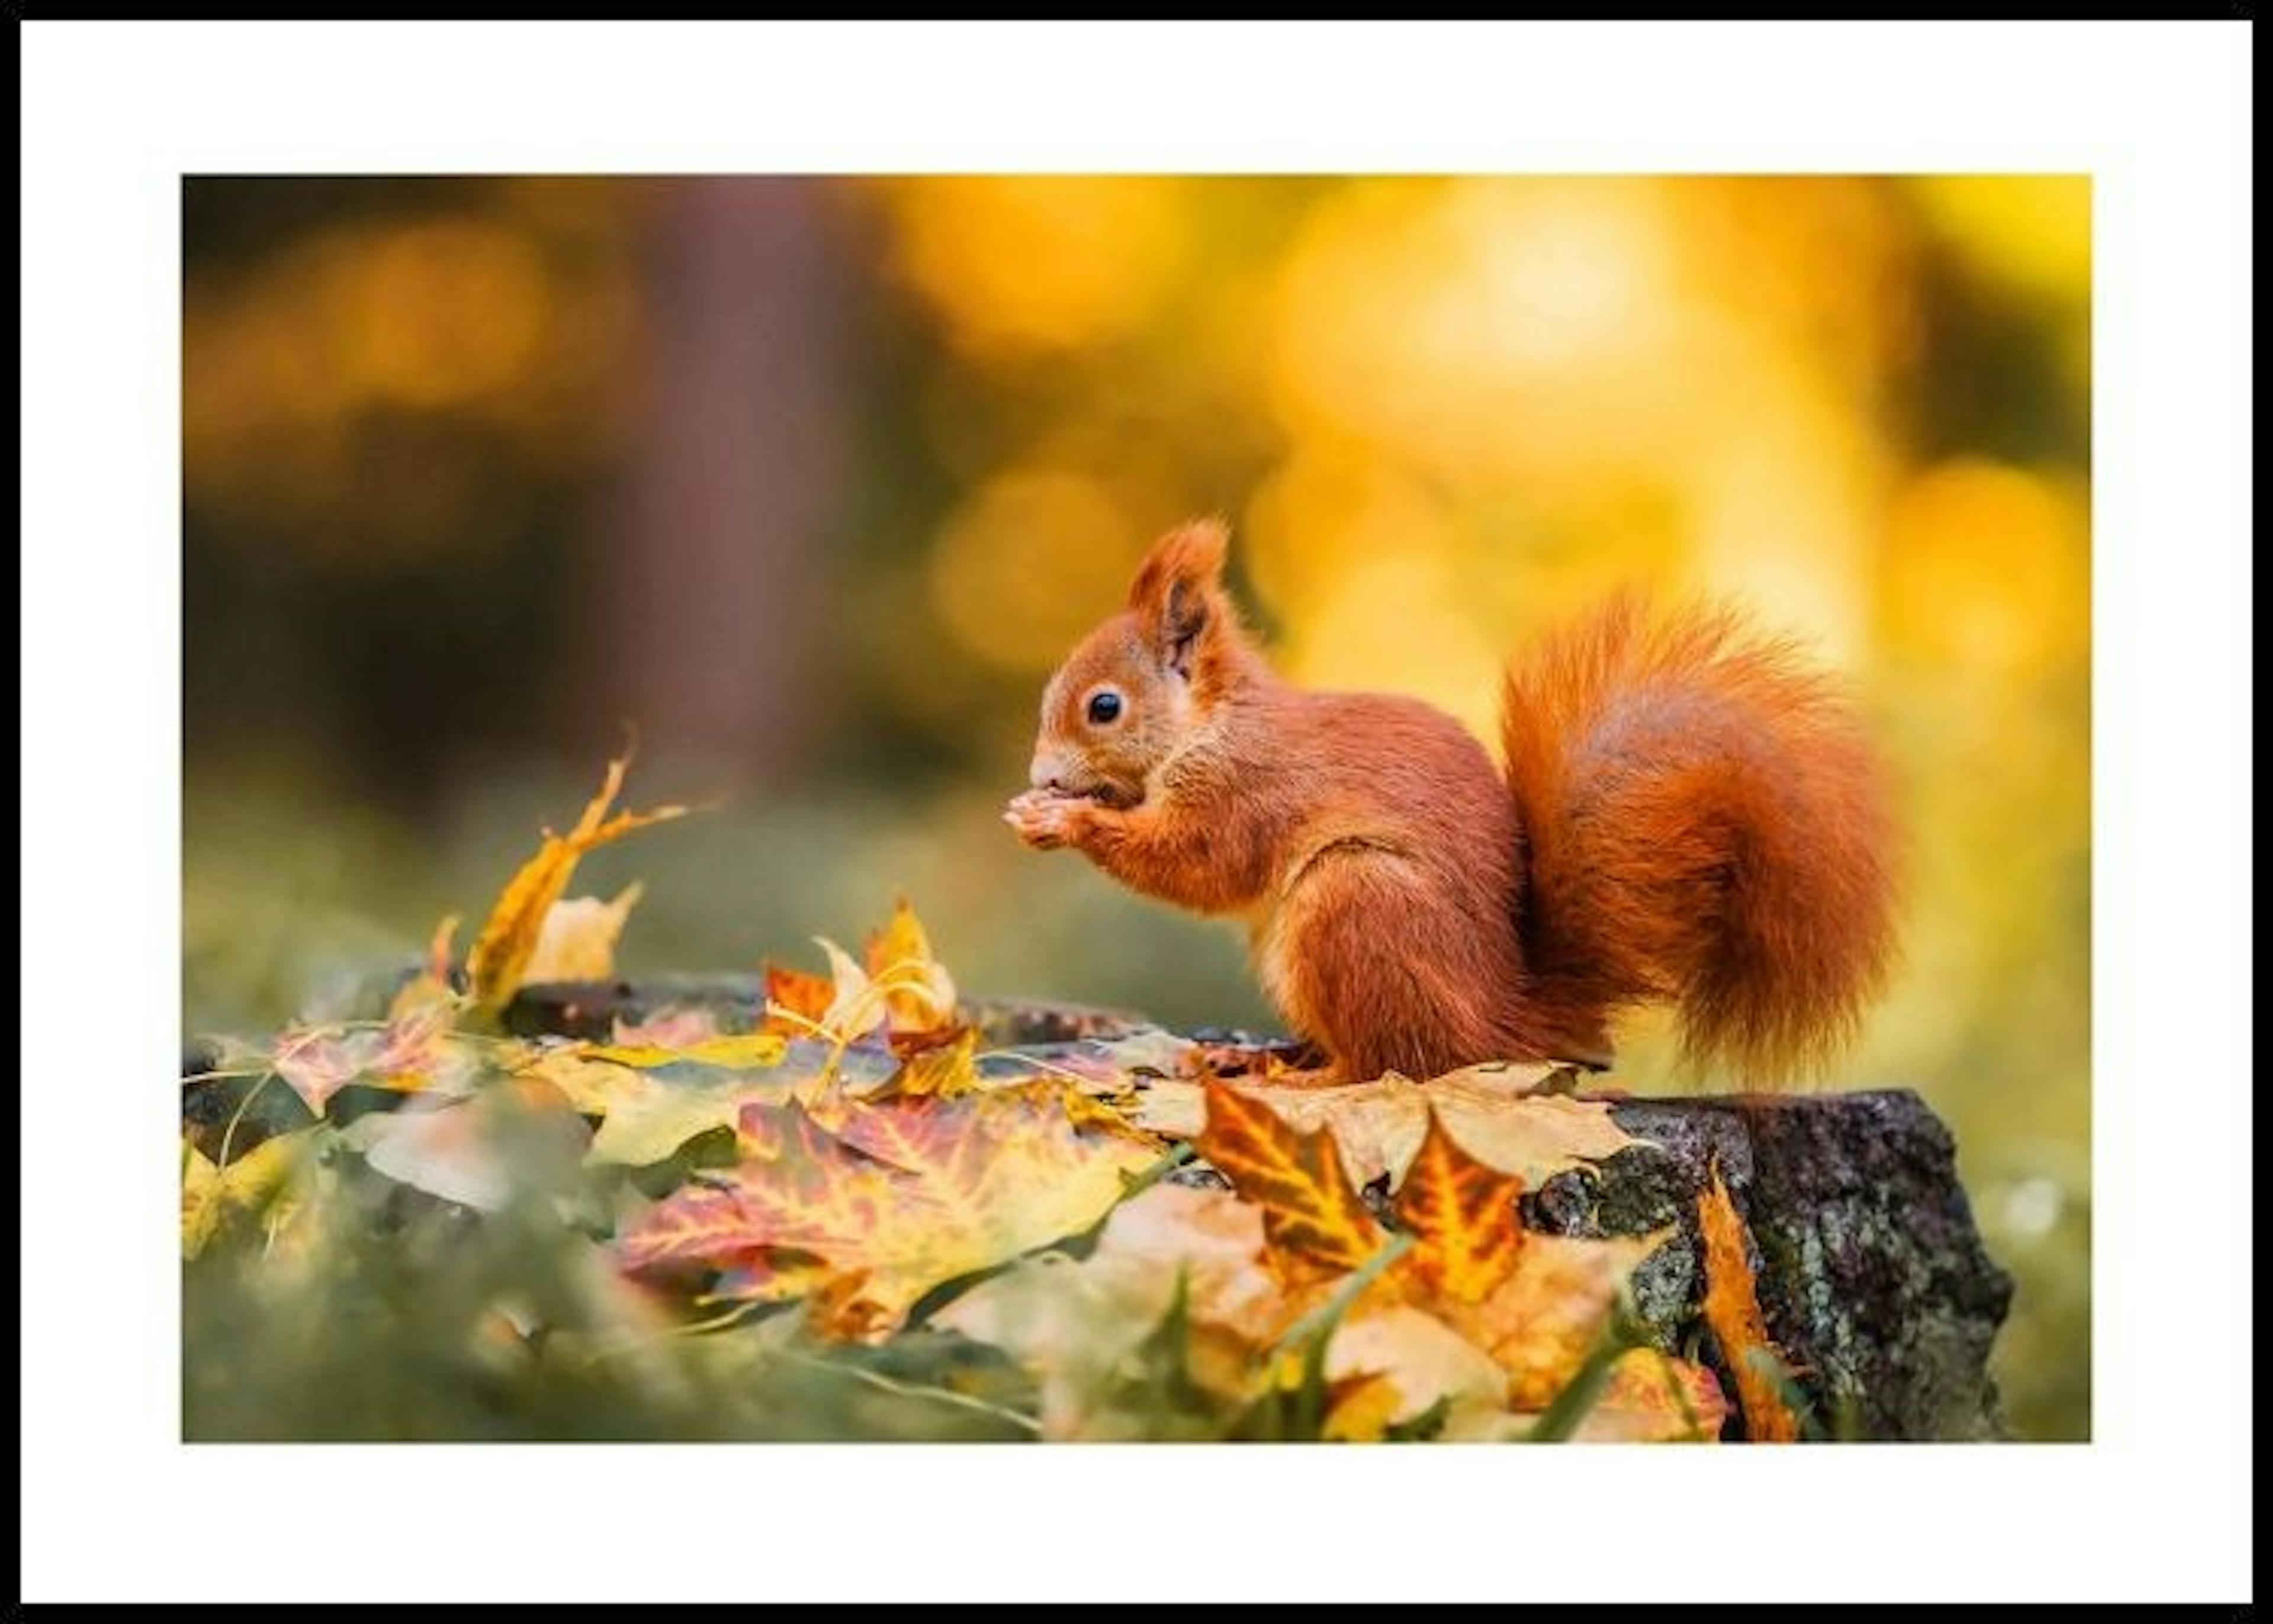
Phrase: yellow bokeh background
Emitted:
{"points": [[450, 448]]}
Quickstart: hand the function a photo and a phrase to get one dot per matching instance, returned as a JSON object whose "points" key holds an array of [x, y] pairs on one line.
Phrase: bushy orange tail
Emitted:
{"points": [[1704, 822]]}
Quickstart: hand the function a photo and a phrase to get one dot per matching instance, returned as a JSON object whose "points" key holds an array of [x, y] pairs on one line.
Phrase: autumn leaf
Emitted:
{"points": [[856, 1006], [918, 994], [646, 1119], [1174, 1293], [675, 1026], [1541, 1321], [1412, 1360], [1646, 1397], [247, 1184], [796, 999], [446, 1153], [498, 962], [1652, 1398], [429, 989], [589, 1086], [1075, 1323], [1499, 1113], [414, 1052], [479, 1152], [773, 1275], [1732, 1311], [649, 1118], [1462, 1214], [945, 1070], [653, 1097], [418, 1051], [896, 1195], [317, 1064], [741, 1052], [1309, 1210], [576, 940]]}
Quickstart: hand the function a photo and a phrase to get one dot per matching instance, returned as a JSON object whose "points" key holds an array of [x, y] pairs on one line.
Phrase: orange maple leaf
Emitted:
{"points": [[1732, 1310], [1309, 1210], [1466, 1236]]}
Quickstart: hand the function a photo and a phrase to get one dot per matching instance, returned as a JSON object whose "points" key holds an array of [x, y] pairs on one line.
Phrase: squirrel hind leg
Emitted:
{"points": [[1413, 999]]}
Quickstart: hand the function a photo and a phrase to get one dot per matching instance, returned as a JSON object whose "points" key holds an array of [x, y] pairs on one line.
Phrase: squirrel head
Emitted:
{"points": [[1137, 686]]}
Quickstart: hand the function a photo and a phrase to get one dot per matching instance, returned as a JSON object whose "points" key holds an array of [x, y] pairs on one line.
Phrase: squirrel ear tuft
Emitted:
{"points": [[1177, 592]]}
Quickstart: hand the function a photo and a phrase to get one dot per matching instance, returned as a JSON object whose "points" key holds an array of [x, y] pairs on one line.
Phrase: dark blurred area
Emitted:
{"points": [[806, 483]]}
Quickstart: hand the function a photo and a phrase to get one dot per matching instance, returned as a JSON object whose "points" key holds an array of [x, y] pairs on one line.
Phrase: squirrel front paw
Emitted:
{"points": [[1045, 820]]}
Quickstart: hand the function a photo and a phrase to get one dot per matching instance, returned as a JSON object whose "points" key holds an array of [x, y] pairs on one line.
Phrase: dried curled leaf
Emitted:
{"points": [[1310, 1210], [429, 989], [919, 993], [1732, 1311], [498, 962], [576, 940], [895, 1196]]}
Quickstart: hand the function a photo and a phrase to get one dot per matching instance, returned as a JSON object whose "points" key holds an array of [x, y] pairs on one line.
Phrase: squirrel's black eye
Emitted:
{"points": [[1104, 708]]}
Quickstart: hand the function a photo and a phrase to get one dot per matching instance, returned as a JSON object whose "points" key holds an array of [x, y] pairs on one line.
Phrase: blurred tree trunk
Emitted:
{"points": [[734, 471]]}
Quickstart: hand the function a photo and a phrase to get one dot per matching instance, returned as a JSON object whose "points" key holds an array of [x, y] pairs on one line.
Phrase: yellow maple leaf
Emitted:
{"points": [[498, 961], [1311, 1211], [576, 940], [1732, 1311], [1462, 1214]]}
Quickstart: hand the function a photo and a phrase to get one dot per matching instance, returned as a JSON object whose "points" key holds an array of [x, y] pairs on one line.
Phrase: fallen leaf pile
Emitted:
{"points": [[1156, 1249]]}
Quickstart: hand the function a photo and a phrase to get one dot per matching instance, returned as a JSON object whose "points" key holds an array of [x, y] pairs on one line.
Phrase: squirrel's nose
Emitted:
{"points": [[1048, 771]]}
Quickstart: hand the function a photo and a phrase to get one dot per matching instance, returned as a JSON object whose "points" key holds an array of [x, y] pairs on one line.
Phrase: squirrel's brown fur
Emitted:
{"points": [[1688, 813]]}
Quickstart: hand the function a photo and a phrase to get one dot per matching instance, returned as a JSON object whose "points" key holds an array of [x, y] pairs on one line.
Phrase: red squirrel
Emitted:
{"points": [[1688, 813]]}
